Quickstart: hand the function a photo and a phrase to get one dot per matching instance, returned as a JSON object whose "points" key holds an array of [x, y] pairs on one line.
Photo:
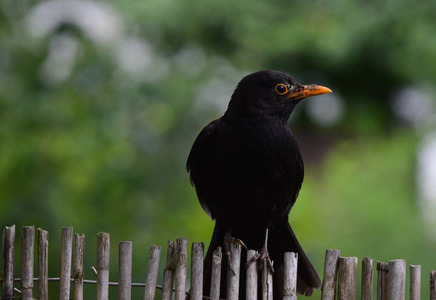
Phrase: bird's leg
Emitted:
{"points": [[262, 255], [227, 240]]}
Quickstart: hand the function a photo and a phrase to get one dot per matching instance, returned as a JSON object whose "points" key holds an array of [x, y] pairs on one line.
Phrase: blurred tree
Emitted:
{"points": [[100, 103]]}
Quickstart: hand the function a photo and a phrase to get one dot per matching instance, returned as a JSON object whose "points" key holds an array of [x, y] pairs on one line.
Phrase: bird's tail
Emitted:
{"points": [[281, 239]]}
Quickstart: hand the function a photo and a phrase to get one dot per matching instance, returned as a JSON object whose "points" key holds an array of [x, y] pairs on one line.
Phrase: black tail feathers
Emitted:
{"points": [[281, 239]]}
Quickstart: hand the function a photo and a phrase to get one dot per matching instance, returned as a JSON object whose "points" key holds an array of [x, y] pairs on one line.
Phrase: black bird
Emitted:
{"points": [[247, 171]]}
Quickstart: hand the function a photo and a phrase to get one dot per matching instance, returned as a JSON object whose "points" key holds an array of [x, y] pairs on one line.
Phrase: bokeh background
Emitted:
{"points": [[100, 103]]}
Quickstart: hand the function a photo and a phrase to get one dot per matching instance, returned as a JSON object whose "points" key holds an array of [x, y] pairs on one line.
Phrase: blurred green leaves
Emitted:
{"points": [[96, 121]]}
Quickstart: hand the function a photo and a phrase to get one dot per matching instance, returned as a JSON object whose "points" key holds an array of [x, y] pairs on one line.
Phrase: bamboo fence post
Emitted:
{"points": [[42, 264], [347, 270], [267, 283], [233, 279], [180, 273], [290, 276], [103, 257], [153, 269], [167, 289], [251, 285], [397, 279], [330, 274], [216, 274], [197, 254], [432, 285], [382, 280], [27, 251], [125, 271], [415, 282], [367, 278], [8, 261], [67, 241], [78, 262]]}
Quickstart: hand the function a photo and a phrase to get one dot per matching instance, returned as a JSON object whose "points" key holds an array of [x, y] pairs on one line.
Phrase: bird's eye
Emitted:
{"points": [[281, 89]]}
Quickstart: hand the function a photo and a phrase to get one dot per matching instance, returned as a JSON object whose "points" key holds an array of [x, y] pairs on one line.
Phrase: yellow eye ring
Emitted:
{"points": [[281, 89]]}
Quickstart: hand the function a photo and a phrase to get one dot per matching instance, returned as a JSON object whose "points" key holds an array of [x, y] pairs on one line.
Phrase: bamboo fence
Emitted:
{"points": [[339, 272]]}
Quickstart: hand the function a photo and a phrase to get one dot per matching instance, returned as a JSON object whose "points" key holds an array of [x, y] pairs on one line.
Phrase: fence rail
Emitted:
{"points": [[339, 272]]}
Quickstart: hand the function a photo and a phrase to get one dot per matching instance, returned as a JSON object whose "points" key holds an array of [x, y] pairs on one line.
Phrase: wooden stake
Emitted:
{"points": [[347, 270], [168, 281], [397, 279], [267, 283], [153, 270], [415, 282], [251, 283], [42, 264], [290, 276], [8, 261], [180, 273], [66, 250], [433, 285], [125, 271], [216, 275], [103, 259], [233, 279], [382, 280], [197, 254], [78, 261], [367, 278], [27, 251], [330, 274]]}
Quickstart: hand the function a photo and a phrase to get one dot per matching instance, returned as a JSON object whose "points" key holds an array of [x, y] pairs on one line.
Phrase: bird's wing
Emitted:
{"points": [[204, 141], [197, 162], [300, 174]]}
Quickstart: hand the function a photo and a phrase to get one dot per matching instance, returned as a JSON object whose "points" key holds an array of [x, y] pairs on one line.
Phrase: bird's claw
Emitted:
{"points": [[228, 239], [263, 255]]}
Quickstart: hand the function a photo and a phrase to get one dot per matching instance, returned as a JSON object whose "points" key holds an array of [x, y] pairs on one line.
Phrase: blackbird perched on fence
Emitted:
{"points": [[247, 171]]}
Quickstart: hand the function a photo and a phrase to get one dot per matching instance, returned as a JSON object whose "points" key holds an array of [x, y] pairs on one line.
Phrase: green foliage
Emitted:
{"points": [[362, 202], [94, 133]]}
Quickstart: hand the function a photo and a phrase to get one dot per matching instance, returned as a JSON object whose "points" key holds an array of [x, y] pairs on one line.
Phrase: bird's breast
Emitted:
{"points": [[254, 169]]}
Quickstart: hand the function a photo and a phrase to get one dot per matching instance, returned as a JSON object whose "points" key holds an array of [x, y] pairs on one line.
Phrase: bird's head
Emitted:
{"points": [[270, 93]]}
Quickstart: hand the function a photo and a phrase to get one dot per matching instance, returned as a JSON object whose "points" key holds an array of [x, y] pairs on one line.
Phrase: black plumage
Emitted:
{"points": [[247, 171]]}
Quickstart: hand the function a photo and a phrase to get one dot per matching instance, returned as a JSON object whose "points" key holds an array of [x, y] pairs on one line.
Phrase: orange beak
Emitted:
{"points": [[309, 90]]}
